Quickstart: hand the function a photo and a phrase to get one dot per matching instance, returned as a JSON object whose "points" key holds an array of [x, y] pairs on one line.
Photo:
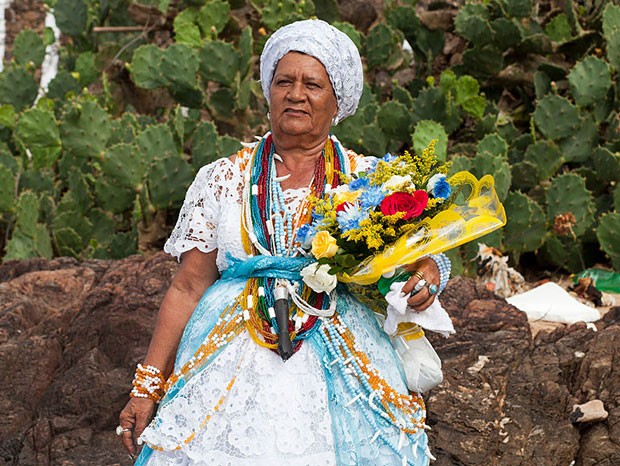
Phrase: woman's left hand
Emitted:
{"points": [[422, 297]]}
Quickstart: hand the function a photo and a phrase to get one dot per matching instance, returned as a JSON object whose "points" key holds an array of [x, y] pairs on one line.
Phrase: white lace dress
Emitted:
{"points": [[276, 413]]}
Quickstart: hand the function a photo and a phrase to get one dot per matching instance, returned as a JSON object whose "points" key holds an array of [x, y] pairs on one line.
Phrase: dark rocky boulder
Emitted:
{"points": [[71, 333]]}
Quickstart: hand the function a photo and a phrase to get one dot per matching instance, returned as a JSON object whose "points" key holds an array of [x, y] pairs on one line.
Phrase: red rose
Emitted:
{"points": [[343, 206], [411, 204]]}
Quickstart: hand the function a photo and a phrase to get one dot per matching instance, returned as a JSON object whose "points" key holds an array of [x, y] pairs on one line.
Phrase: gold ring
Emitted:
{"points": [[418, 274]]}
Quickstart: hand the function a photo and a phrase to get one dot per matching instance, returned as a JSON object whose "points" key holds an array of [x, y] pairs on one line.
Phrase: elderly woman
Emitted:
{"points": [[228, 397]]}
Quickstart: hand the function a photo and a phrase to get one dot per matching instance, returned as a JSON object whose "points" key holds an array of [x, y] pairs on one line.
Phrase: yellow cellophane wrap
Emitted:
{"points": [[475, 212]]}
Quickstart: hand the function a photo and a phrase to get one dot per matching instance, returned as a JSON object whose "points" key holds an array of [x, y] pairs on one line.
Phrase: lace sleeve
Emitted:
{"points": [[196, 226]]}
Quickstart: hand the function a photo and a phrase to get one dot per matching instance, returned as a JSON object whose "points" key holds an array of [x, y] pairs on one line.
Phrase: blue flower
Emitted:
{"points": [[389, 158], [372, 164], [305, 234], [438, 186], [350, 217], [358, 183], [372, 197]]}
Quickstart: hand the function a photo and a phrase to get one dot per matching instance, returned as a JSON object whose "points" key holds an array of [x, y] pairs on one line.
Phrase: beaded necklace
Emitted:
{"points": [[269, 229]]}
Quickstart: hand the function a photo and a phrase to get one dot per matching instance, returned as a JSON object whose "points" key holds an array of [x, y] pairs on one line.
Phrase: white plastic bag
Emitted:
{"points": [[421, 363]]}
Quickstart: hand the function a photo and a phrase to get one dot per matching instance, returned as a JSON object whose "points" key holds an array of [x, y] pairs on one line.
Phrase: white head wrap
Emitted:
{"points": [[333, 48]]}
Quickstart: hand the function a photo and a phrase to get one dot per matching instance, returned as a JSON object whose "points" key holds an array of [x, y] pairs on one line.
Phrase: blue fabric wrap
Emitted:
{"points": [[266, 267], [351, 426]]}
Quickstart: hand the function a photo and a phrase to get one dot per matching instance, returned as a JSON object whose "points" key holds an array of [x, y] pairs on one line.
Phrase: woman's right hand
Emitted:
{"points": [[135, 416]]}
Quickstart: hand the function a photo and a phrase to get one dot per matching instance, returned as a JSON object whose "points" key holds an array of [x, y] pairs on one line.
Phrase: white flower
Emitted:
{"points": [[343, 188], [397, 181], [318, 278]]}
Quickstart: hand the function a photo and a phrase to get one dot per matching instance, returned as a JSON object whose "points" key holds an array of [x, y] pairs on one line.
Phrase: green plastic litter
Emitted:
{"points": [[604, 280]]}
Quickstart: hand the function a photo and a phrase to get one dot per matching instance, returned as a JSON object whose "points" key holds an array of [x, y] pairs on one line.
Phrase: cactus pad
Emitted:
{"points": [[589, 81], [608, 234], [556, 117], [29, 47], [426, 131], [219, 62], [568, 194], [37, 130], [526, 227]]}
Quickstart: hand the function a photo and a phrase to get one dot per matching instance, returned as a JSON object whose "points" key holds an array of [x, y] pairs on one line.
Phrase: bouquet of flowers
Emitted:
{"points": [[399, 210]]}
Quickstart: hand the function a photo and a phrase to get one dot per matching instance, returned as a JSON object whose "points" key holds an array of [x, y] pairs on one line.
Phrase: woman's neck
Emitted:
{"points": [[299, 162]]}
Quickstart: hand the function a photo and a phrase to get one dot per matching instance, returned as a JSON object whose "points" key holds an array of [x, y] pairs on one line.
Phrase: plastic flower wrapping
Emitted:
{"points": [[399, 210]]}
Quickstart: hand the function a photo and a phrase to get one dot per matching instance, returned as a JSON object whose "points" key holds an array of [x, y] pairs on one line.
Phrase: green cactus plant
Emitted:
{"points": [[383, 47], [85, 129], [472, 23], [17, 88], [145, 67], [28, 47], [179, 65], [7, 189], [526, 227], [63, 84], [204, 144], [213, 17], [566, 194], [559, 29], [168, 179], [608, 234], [611, 32], [29, 238], [71, 16], [276, 13], [123, 166], [493, 145], [86, 68], [577, 147], [488, 163], [589, 81], [186, 31], [37, 131], [219, 62], [156, 142], [607, 165], [556, 117], [427, 131], [395, 120], [546, 158], [523, 175]]}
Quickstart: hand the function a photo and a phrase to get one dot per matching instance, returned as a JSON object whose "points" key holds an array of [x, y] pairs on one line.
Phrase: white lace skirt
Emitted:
{"points": [[294, 413]]}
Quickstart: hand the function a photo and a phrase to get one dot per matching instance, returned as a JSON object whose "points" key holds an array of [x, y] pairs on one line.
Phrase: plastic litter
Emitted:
{"points": [[550, 302], [604, 280]]}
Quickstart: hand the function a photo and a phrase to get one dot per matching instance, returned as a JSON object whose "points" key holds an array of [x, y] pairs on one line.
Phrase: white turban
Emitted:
{"points": [[333, 48]]}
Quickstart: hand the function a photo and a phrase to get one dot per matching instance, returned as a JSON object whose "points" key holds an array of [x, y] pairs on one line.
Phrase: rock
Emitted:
{"points": [[71, 333], [592, 411]]}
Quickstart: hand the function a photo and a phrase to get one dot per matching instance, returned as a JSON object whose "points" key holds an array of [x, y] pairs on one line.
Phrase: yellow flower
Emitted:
{"points": [[324, 245], [346, 196]]}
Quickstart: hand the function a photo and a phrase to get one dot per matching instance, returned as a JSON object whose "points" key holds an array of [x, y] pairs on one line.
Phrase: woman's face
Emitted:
{"points": [[302, 99]]}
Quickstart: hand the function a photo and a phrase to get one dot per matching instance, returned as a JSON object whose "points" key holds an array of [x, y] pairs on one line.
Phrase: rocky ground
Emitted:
{"points": [[71, 334]]}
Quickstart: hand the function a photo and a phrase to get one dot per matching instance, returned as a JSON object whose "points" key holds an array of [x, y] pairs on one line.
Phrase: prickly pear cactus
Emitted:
{"points": [[71, 16], [85, 129], [567, 194], [590, 81], [29, 238], [17, 88], [607, 165], [383, 47], [426, 131], [37, 131], [472, 23], [7, 190], [29, 48], [526, 227], [546, 158], [556, 117], [146, 67], [611, 31], [608, 234], [395, 120], [219, 62]]}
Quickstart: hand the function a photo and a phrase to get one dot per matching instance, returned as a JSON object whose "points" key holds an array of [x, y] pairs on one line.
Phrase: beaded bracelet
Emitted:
{"points": [[445, 267], [148, 382]]}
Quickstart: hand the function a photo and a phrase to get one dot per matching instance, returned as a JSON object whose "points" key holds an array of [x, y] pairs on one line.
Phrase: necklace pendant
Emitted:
{"points": [[285, 347]]}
